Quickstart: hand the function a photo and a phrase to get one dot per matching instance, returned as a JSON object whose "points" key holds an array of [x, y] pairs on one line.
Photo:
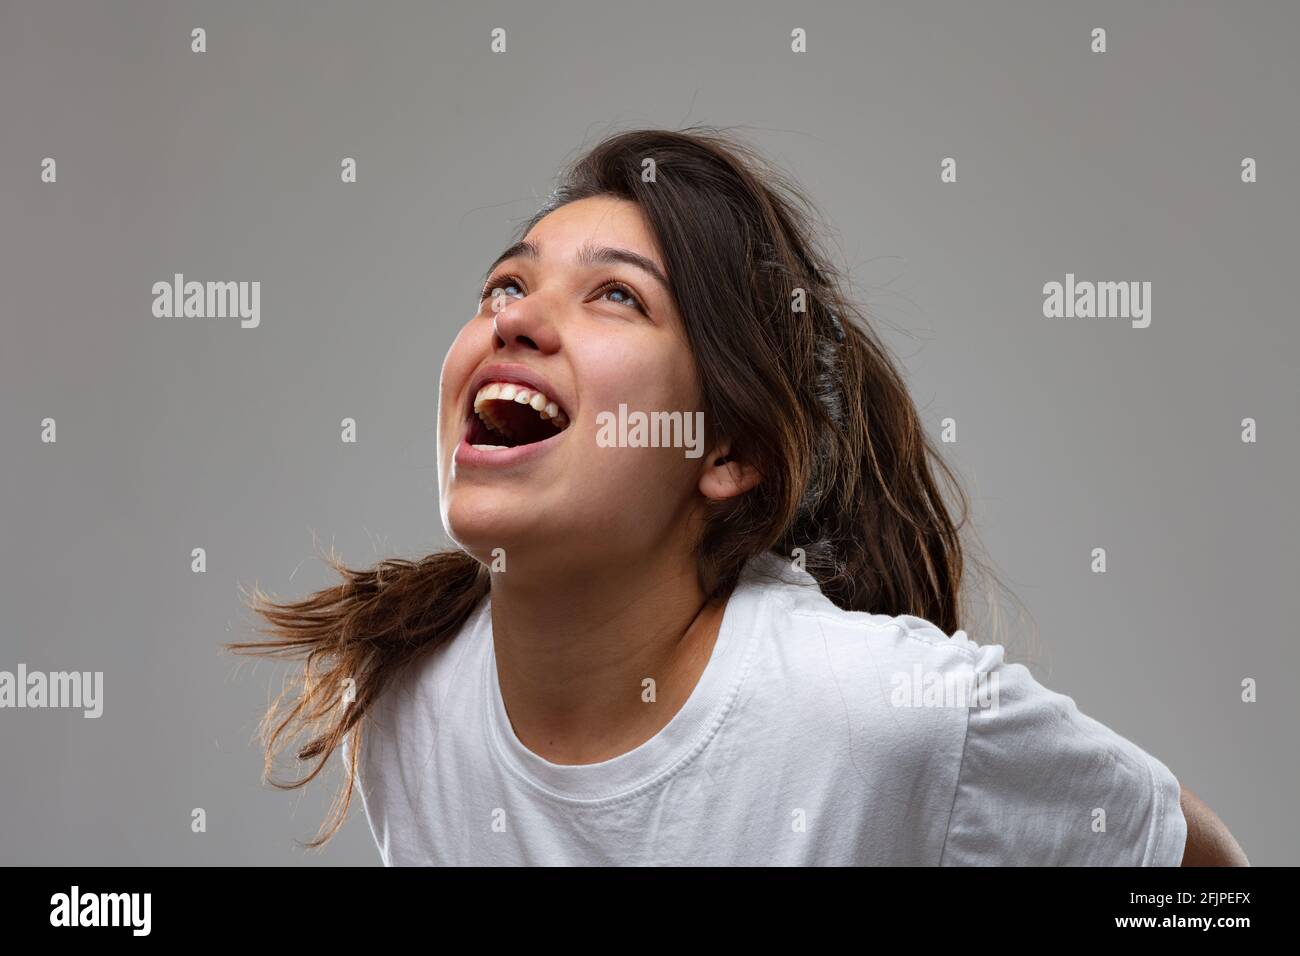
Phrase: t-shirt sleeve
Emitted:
{"points": [[1042, 784]]}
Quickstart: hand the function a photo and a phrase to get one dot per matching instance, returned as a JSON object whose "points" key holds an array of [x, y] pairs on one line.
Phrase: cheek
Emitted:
{"points": [[644, 373], [650, 479], [458, 364], [645, 381], [641, 480], [460, 356], [629, 498]]}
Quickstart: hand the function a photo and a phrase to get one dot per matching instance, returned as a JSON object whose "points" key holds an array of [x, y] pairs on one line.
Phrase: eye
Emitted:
{"points": [[501, 285], [628, 296]]}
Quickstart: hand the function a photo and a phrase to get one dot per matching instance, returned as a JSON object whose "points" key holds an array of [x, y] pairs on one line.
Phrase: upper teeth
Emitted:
{"points": [[507, 392]]}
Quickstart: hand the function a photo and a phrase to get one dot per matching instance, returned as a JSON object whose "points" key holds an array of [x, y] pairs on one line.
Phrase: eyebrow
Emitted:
{"points": [[588, 255]]}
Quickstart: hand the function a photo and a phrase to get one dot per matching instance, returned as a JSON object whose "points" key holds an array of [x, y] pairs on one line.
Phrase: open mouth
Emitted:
{"points": [[507, 415]]}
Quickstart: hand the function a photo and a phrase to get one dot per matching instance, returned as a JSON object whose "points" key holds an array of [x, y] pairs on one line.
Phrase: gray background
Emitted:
{"points": [[177, 433]]}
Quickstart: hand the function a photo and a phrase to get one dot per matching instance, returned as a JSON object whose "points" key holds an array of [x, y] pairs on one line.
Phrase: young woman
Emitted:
{"points": [[705, 604]]}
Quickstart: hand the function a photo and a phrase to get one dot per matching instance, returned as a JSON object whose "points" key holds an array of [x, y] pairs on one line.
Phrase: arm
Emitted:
{"points": [[1208, 841]]}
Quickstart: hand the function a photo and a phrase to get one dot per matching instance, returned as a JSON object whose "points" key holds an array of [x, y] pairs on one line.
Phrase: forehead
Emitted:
{"points": [[598, 221]]}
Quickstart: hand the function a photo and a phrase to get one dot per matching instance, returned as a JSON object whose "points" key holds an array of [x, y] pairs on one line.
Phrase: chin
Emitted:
{"points": [[480, 520]]}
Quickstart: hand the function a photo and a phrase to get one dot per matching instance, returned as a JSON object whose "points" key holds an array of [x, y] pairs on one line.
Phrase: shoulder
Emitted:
{"points": [[801, 623], [880, 689], [1025, 776]]}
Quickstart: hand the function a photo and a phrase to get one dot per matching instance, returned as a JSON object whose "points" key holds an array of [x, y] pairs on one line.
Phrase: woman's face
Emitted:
{"points": [[592, 331]]}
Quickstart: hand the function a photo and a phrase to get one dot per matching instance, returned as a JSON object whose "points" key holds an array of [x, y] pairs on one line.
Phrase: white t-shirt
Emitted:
{"points": [[815, 736]]}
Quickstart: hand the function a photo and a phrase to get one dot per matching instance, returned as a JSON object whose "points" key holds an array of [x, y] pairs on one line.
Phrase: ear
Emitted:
{"points": [[725, 477]]}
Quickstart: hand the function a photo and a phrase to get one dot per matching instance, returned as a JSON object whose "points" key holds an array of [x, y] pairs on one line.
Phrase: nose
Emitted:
{"points": [[523, 323]]}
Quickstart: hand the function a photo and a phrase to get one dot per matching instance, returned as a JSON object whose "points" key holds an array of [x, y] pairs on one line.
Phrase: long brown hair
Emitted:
{"points": [[790, 372]]}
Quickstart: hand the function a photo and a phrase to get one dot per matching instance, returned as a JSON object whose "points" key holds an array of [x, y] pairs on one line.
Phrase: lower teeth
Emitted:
{"points": [[491, 447]]}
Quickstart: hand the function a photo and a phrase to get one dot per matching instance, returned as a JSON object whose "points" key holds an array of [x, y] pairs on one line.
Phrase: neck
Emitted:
{"points": [[573, 652]]}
